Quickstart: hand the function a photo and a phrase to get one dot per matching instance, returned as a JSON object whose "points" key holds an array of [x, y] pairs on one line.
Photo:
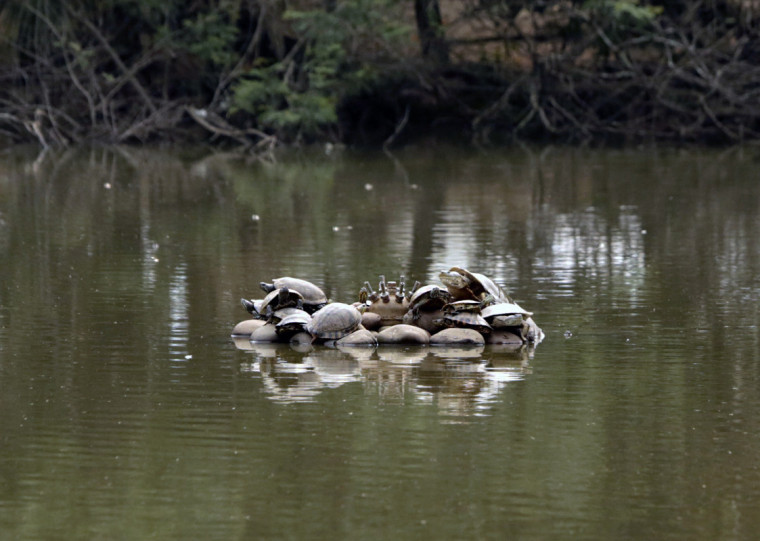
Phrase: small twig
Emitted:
{"points": [[115, 57], [399, 128]]}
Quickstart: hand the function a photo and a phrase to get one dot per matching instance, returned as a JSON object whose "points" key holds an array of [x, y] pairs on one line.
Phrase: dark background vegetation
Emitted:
{"points": [[259, 73]]}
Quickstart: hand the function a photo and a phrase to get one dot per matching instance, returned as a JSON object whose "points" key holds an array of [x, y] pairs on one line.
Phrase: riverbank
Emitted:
{"points": [[257, 77]]}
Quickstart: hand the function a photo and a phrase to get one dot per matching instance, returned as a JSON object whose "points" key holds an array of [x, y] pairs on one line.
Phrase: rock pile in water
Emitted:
{"points": [[467, 308]]}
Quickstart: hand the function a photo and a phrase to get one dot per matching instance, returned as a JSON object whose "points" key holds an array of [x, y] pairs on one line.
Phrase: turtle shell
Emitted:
{"points": [[469, 320], [293, 322], [431, 297], [462, 306], [334, 321], [282, 313], [280, 298], [463, 284], [312, 294], [504, 309]]}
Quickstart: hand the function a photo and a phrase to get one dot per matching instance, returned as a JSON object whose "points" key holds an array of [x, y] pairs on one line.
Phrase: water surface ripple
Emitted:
{"points": [[128, 412]]}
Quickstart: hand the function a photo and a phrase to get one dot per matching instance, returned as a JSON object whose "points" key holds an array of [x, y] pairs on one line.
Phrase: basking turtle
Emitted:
{"points": [[313, 297], [294, 322], [466, 285], [281, 313], [505, 314], [334, 321], [465, 314], [425, 308], [390, 301], [253, 307], [280, 298], [429, 298]]}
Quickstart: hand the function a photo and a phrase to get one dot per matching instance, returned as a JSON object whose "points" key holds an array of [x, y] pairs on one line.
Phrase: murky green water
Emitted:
{"points": [[127, 411]]}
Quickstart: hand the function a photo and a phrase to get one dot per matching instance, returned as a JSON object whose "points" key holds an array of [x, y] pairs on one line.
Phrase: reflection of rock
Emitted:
{"points": [[301, 342], [508, 352], [265, 350], [457, 336], [469, 353], [246, 327], [459, 381], [358, 353], [412, 355], [242, 342], [334, 367]]}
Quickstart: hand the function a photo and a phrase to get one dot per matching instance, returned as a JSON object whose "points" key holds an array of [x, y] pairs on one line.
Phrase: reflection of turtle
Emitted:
{"points": [[390, 302], [334, 321], [313, 297], [466, 285]]}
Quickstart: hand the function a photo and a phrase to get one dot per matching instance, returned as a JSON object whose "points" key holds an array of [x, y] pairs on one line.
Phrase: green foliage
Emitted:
{"points": [[210, 38], [624, 14], [297, 96]]}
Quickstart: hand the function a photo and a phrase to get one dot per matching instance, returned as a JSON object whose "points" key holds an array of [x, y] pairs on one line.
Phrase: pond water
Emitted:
{"points": [[128, 411]]}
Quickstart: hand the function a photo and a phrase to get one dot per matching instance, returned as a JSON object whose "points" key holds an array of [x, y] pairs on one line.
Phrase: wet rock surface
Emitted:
{"points": [[457, 337], [403, 334]]}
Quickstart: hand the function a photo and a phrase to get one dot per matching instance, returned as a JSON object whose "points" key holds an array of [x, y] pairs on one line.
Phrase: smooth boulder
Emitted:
{"points": [[457, 336], [403, 334], [265, 333], [247, 326], [362, 337]]}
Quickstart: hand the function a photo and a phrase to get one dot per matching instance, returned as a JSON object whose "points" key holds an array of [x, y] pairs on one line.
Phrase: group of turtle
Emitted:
{"points": [[469, 308]]}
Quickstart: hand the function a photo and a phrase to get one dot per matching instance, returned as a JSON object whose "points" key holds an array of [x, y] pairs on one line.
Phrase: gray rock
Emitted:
{"points": [[246, 327], [458, 336], [265, 333], [371, 321], [502, 336], [403, 334], [362, 337]]}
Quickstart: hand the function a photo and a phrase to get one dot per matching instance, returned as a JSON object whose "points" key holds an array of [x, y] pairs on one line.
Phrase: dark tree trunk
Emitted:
{"points": [[430, 30]]}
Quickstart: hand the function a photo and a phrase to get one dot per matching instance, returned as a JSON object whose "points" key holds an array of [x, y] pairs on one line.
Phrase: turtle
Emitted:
{"points": [[466, 285], [281, 313], [334, 321], [390, 301], [425, 306], [429, 298], [280, 298], [465, 314], [253, 307], [292, 323], [505, 314], [313, 297]]}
